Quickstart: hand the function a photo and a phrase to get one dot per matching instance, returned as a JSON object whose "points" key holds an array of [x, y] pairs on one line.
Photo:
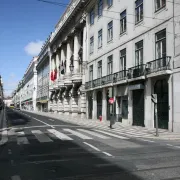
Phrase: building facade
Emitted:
{"points": [[129, 58], [43, 78], [68, 61], [29, 86]]}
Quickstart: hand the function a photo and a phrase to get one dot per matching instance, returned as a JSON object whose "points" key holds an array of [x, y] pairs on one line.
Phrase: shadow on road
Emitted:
{"points": [[58, 160], [14, 118]]}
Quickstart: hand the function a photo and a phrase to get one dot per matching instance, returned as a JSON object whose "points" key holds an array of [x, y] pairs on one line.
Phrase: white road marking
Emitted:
{"points": [[108, 154], [93, 147], [146, 140], [4, 137], [82, 136], [16, 177], [110, 134], [22, 140], [169, 144], [59, 134], [41, 136], [94, 134], [51, 120], [177, 146], [43, 122]]}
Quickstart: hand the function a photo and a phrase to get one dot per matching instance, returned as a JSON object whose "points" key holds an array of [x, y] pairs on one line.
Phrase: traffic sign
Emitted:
{"points": [[111, 100]]}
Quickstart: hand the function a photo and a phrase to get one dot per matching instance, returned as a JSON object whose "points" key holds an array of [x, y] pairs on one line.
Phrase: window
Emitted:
{"points": [[91, 44], [123, 22], [91, 73], [100, 38], [99, 69], [161, 44], [100, 7], [109, 3], [159, 4], [91, 14], [138, 11], [123, 59], [139, 53], [110, 65], [110, 31]]}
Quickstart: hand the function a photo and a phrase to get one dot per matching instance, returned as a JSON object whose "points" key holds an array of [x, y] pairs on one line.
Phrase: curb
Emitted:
{"points": [[70, 120], [4, 133]]}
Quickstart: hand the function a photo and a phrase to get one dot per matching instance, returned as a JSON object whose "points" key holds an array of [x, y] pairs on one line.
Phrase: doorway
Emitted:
{"points": [[90, 106], [138, 107], [161, 89], [99, 104]]}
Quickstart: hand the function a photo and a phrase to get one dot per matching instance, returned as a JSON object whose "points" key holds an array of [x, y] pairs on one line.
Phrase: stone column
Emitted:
{"points": [[94, 105], [130, 108], [58, 63], [68, 57], [170, 88], [76, 50], [83, 93], [149, 110], [104, 105]]}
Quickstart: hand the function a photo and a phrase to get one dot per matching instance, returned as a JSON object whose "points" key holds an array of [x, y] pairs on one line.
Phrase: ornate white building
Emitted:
{"points": [[25, 94], [68, 57]]}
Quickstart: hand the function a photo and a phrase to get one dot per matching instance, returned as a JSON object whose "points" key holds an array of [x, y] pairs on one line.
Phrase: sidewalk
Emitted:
{"points": [[119, 128], [3, 127]]}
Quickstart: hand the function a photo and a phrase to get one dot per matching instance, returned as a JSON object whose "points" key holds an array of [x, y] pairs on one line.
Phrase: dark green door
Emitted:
{"points": [[138, 107], [161, 89], [90, 106], [99, 104]]}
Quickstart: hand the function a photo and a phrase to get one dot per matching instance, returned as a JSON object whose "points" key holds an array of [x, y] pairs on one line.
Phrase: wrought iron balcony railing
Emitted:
{"points": [[111, 78], [107, 79], [158, 65], [119, 76], [89, 84], [136, 71]]}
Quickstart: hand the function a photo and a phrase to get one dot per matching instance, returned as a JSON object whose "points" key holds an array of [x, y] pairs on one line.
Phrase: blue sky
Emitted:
{"points": [[24, 25]]}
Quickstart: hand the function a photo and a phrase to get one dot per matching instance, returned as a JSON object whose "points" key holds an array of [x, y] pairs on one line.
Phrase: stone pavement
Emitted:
{"points": [[119, 128]]}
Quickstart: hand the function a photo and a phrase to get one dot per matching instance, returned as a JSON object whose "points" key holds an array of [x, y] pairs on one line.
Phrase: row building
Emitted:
{"points": [[123, 51]]}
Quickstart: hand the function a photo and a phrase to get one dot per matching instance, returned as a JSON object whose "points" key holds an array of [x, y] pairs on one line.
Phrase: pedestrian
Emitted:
{"points": [[112, 121]]}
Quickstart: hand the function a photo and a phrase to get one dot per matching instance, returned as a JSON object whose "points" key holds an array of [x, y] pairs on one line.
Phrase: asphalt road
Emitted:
{"points": [[40, 148]]}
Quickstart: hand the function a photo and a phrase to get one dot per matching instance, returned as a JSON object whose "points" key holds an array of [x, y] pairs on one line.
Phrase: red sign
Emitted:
{"points": [[111, 100]]}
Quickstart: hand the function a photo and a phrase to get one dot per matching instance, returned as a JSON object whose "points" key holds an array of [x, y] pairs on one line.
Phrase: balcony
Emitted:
{"points": [[89, 85], [136, 72], [159, 66], [77, 77], [111, 78]]}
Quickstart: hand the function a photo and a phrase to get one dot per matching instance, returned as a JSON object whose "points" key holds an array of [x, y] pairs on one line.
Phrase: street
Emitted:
{"points": [[40, 148]]}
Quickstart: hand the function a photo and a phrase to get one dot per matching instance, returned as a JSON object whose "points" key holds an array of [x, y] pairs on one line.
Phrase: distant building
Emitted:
{"points": [[43, 69], [8, 101]]}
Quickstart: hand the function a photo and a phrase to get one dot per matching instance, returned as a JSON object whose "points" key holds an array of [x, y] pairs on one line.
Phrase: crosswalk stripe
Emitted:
{"points": [[59, 134], [82, 136], [15, 177], [22, 139], [94, 134], [41, 136], [110, 134]]}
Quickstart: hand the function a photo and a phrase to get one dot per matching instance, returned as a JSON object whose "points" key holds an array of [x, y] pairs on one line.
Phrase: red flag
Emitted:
{"points": [[55, 74], [52, 76]]}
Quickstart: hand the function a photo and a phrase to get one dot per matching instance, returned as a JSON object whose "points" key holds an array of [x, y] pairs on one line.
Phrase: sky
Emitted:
{"points": [[24, 26]]}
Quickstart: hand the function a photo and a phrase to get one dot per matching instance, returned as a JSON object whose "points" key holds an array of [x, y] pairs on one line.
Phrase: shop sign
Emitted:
{"points": [[136, 86]]}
